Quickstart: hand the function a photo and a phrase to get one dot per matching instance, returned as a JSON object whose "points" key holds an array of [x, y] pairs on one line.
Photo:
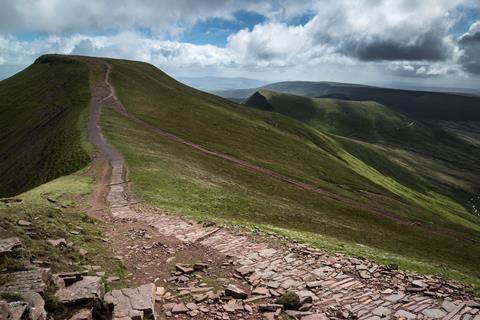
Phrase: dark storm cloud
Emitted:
{"points": [[470, 44], [427, 47]]}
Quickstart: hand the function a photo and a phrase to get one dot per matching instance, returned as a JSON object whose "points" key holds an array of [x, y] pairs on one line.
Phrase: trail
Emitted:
{"points": [[117, 105], [334, 285]]}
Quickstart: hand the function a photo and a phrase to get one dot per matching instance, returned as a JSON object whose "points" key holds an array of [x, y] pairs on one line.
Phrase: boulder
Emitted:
{"points": [[130, 302], [89, 289]]}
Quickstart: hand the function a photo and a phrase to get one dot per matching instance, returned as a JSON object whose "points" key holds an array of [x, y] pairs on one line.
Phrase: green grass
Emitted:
{"points": [[364, 134], [42, 113], [55, 220], [186, 182]]}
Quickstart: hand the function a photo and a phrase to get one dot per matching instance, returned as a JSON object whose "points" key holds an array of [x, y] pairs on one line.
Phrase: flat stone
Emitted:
{"points": [[179, 308], [273, 284], [323, 271], [364, 274], [434, 313], [25, 281], [128, 301], [381, 311], [192, 306], [314, 284], [232, 307], [395, 297], [419, 284], [261, 291], [24, 223], [315, 316], [245, 270], [235, 292], [405, 314], [184, 268], [88, 289], [473, 304], [449, 306], [8, 244], [82, 314], [267, 253], [113, 279], [200, 297]]}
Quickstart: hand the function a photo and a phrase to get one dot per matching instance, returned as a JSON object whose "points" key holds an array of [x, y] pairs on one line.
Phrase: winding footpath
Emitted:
{"points": [[331, 286]]}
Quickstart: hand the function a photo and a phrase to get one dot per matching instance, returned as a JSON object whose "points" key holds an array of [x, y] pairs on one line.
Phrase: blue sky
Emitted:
{"points": [[429, 42]]}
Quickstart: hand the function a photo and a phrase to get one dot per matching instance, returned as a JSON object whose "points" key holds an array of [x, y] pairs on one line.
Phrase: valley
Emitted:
{"points": [[328, 197]]}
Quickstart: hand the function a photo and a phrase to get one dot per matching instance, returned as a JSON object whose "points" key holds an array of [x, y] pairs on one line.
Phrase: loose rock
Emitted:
{"points": [[235, 292]]}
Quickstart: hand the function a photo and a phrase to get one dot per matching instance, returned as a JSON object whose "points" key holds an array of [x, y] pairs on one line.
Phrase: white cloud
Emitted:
{"points": [[364, 38]]}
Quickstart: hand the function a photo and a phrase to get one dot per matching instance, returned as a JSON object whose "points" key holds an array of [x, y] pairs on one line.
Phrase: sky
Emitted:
{"points": [[424, 43]]}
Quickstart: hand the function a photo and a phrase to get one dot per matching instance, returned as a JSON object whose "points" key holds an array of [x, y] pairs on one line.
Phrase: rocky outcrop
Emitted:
{"points": [[87, 290], [8, 244], [138, 303], [34, 280]]}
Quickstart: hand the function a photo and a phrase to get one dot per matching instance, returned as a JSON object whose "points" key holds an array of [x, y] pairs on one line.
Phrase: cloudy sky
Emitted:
{"points": [[418, 42]]}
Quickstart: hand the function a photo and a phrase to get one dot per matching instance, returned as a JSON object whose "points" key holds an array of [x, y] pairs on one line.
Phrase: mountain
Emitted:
{"points": [[419, 104], [41, 136], [342, 175], [376, 133], [220, 83]]}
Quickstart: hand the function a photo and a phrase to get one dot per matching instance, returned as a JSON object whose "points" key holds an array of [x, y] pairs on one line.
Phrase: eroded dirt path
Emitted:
{"points": [[151, 242]]}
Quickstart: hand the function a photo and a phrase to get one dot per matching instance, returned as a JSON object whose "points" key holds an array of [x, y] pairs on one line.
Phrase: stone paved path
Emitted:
{"points": [[339, 286]]}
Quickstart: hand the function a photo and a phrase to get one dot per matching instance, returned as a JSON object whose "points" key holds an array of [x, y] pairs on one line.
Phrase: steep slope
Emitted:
{"points": [[196, 154], [41, 111], [418, 104], [378, 135], [179, 144]]}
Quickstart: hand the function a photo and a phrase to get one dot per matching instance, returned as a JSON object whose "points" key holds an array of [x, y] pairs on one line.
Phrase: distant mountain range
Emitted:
{"points": [[425, 105], [220, 83]]}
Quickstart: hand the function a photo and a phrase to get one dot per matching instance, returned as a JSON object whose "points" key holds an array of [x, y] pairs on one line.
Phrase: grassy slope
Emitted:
{"points": [[42, 110], [389, 130], [175, 177], [57, 220], [419, 104]]}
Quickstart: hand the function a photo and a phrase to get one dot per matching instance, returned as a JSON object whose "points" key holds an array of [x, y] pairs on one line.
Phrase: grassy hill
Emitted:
{"points": [[378, 135], [185, 181], [42, 114], [418, 104], [419, 222]]}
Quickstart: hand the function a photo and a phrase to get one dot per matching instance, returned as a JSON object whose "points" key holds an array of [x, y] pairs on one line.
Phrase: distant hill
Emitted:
{"points": [[210, 84], [418, 104]]}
